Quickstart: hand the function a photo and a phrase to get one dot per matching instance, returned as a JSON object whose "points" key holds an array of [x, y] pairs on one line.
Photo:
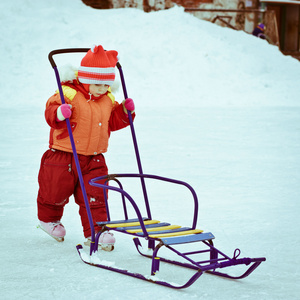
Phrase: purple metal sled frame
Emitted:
{"points": [[157, 234]]}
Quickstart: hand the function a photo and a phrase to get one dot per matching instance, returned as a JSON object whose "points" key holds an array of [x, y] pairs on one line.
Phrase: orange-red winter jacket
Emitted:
{"points": [[92, 120]]}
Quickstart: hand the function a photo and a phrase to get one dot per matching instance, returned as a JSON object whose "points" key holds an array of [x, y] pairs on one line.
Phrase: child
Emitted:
{"points": [[259, 31], [93, 114]]}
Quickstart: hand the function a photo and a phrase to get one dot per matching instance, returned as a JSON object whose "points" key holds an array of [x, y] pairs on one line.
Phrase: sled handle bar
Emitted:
{"points": [[80, 177], [74, 50], [134, 139], [75, 155], [62, 51]]}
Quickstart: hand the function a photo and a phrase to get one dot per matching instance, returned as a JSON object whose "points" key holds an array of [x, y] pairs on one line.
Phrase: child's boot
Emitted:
{"points": [[106, 241], [54, 229]]}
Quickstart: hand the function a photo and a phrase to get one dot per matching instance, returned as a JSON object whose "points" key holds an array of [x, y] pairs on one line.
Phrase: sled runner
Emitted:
{"points": [[203, 256]]}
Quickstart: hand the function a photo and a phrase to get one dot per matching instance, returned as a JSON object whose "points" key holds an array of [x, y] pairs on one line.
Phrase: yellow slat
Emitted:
{"points": [[176, 233], [154, 229], [131, 224]]}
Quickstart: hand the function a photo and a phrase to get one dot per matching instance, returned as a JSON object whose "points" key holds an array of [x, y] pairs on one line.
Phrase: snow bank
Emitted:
{"points": [[169, 57]]}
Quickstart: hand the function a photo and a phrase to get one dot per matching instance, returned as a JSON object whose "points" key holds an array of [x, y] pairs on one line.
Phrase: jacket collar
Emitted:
{"points": [[75, 84]]}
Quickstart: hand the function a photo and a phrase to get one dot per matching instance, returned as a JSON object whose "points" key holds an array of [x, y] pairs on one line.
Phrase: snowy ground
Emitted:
{"points": [[215, 107]]}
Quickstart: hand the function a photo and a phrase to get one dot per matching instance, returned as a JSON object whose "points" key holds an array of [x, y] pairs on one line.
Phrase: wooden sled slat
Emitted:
{"points": [[166, 231], [139, 227], [120, 221], [194, 231], [155, 229], [131, 224], [188, 238]]}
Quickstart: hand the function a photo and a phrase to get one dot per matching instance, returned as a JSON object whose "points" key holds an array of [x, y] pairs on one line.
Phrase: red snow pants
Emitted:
{"points": [[58, 180]]}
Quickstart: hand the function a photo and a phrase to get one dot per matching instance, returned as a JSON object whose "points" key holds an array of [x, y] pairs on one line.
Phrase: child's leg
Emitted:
{"points": [[92, 166], [56, 182]]}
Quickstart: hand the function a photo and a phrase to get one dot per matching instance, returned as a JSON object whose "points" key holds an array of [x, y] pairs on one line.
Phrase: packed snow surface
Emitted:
{"points": [[216, 108]]}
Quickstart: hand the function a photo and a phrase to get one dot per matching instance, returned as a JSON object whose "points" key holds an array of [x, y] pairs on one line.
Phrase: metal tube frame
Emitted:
{"points": [[213, 263]]}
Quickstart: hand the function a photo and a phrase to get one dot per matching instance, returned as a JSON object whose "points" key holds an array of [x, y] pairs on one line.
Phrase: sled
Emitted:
{"points": [[203, 256]]}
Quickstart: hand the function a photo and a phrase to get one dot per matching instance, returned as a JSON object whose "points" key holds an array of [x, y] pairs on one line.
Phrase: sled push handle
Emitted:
{"points": [[64, 51], [136, 149], [80, 177], [54, 66]]}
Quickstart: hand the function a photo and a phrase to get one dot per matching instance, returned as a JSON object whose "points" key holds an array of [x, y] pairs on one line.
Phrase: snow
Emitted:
{"points": [[216, 108]]}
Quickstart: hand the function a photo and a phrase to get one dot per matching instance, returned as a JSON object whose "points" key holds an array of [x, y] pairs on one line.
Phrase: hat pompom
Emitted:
{"points": [[93, 48], [96, 48]]}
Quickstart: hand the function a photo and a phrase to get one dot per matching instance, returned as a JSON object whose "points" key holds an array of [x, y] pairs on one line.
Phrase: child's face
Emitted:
{"points": [[98, 89]]}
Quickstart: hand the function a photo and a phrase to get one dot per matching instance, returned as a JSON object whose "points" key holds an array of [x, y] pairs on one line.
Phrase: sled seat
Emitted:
{"points": [[202, 255], [165, 232]]}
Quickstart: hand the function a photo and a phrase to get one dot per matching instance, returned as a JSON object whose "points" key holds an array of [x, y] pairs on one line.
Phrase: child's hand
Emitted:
{"points": [[128, 104], [63, 112]]}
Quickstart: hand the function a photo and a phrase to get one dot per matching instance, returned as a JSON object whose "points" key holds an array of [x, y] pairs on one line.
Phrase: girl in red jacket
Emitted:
{"points": [[93, 114]]}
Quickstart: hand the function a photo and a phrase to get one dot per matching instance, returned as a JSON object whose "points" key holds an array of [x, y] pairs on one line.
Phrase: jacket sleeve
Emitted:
{"points": [[119, 119], [50, 113]]}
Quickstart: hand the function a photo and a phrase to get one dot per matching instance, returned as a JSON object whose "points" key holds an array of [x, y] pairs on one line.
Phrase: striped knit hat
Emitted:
{"points": [[98, 66]]}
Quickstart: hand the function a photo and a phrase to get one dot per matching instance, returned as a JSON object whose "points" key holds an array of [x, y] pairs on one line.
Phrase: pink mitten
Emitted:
{"points": [[129, 105], [63, 112]]}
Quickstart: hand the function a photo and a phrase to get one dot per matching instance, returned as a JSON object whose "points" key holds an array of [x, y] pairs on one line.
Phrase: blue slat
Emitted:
{"points": [[188, 238]]}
